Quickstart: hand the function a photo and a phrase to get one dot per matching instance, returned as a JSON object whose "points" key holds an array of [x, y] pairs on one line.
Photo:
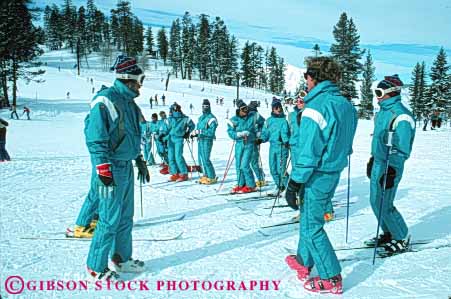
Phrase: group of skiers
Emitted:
{"points": [[26, 111], [316, 137]]}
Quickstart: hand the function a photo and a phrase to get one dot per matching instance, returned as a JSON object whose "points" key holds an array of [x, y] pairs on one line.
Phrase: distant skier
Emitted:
{"points": [[276, 131], [234, 102], [163, 99], [326, 133], [4, 156], [256, 162], [395, 117], [14, 112], [162, 143], [205, 133], [191, 107], [146, 141], [151, 102], [113, 139], [156, 99], [180, 128], [266, 102], [68, 95], [27, 111], [241, 128], [425, 120]]}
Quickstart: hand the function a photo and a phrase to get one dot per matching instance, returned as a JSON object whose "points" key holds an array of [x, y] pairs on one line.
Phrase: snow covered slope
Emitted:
{"points": [[43, 187]]}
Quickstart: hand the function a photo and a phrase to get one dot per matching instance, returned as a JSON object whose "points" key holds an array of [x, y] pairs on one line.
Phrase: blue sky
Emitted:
{"points": [[397, 32]]}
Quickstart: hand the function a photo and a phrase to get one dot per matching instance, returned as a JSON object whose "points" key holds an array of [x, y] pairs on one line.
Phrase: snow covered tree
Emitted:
{"points": [[417, 89], [366, 92], [440, 93], [347, 52], [163, 44], [69, 23]]}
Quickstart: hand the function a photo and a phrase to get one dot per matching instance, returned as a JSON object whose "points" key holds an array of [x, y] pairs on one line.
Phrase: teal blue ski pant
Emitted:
{"points": [[89, 208], [278, 156], [204, 152], [256, 165], [243, 156], [113, 233], [314, 247], [148, 155], [391, 219], [177, 163], [162, 151]]}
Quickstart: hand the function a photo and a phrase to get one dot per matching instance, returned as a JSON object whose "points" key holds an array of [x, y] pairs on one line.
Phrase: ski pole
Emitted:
{"points": [[230, 160], [389, 145], [260, 168], [349, 192], [141, 192], [192, 156]]}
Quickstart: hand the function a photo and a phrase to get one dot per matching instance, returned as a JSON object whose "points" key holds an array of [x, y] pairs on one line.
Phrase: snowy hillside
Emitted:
{"points": [[44, 185]]}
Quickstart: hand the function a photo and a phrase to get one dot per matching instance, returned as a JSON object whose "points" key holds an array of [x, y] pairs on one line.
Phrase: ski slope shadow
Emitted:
{"points": [[436, 225], [189, 256]]}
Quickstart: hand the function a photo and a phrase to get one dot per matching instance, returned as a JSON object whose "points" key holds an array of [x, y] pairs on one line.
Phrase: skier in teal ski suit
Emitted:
{"points": [[241, 128], [256, 163], [276, 131], [146, 141], [205, 133], [112, 131], [393, 116], [180, 127], [326, 133], [161, 141]]}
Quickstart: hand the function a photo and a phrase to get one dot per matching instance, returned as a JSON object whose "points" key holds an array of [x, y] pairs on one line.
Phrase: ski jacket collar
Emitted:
{"points": [[124, 90], [324, 86], [387, 104], [281, 115]]}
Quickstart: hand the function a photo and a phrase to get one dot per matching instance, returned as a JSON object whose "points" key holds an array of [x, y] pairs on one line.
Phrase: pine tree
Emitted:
{"points": [[202, 58], [69, 15], [163, 44], [81, 32], [18, 45], [347, 52], [440, 85], [273, 70], [149, 40], [317, 50], [175, 48], [281, 68], [136, 38], [187, 48], [366, 92], [246, 68]]}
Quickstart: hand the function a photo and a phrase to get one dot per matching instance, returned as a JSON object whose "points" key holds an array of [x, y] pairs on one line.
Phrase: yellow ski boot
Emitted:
{"points": [[260, 183], [209, 181], [202, 180]]}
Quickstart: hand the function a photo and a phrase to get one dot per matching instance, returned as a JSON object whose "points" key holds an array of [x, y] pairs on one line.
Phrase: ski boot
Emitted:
{"points": [[395, 247], [294, 264], [247, 189], [164, 170], [105, 275], [182, 178], [332, 285], [174, 177], [203, 179], [236, 189], [209, 181], [261, 183], [383, 238], [130, 266]]}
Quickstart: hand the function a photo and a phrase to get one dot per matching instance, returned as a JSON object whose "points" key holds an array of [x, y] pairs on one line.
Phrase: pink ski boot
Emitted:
{"points": [[303, 271], [332, 285]]}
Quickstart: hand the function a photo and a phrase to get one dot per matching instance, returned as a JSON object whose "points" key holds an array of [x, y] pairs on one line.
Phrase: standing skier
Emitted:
{"points": [[163, 98], [394, 117], [161, 140], [326, 133], [146, 142], [205, 133], [180, 127], [151, 102], [256, 164], [276, 131], [4, 156], [241, 128], [27, 111], [14, 112], [113, 139]]}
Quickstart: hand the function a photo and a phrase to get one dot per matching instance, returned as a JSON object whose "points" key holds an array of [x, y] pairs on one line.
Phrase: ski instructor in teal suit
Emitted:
{"points": [[326, 133], [112, 131]]}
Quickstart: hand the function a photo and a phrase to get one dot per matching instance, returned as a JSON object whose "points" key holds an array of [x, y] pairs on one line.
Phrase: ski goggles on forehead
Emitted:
{"points": [[380, 93], [138, 78], [310, 72]]}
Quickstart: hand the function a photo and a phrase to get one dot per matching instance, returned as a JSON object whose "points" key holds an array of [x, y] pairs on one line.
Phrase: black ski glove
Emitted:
{"points": [[369, 167], [391, 175], [258, 141], [143, 172], [292, 194], [186, 136], [160, 138]]}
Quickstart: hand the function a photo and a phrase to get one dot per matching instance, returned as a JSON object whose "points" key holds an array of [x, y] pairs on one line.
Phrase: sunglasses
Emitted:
{"points": [[205, 106], [380, 93]]}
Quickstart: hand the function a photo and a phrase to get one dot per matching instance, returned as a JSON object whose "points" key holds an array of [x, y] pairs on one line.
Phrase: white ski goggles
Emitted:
{"points": [[138, 78], [380, 93]]}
